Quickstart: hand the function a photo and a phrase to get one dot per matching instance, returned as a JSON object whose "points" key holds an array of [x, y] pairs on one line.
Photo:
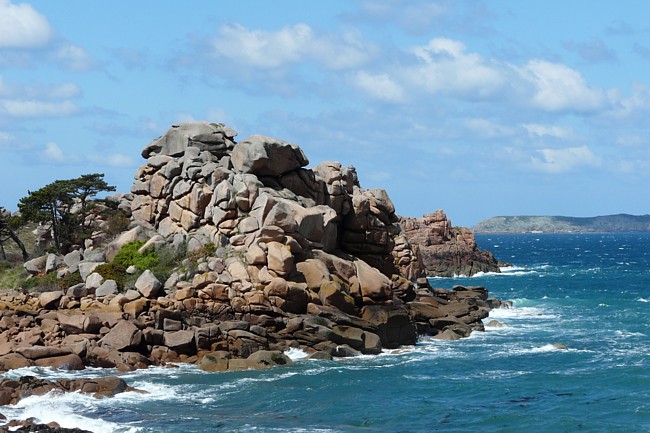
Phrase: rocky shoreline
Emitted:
{"points": [[269, 256]]}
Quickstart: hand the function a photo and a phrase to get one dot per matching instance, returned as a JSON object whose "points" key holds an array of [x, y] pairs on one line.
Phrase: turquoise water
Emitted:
{"points": [[588, 292]]}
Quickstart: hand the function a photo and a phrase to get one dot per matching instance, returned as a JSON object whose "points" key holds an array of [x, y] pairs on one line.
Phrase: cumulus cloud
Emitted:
{"points": [[379, 86], [35, 108], [564, 160], [22, 27], [557, 87], [446, 67], [291, 44]]}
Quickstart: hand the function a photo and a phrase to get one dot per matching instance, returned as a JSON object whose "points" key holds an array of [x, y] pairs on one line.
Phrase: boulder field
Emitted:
{"points": [[277, 256]]}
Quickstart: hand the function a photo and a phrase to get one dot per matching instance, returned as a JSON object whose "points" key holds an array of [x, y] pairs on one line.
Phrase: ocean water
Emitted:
{"points": [[590, 293]]}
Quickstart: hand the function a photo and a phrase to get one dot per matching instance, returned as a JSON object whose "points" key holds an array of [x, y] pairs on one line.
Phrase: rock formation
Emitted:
{"points": [[278, 256], [446, 250]]}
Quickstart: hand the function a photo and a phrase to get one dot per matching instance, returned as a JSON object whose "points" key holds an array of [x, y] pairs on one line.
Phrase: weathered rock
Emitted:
{"points": [[108, 287], [93, 281], [63, 362], [148, 285], [447, 251], [181, 341], [50, 300], [215, 361], [135, 234], [122, 337], [12, 361], [280, 259], [36, 266], [266, 156], [394, 325], [37, 352]]}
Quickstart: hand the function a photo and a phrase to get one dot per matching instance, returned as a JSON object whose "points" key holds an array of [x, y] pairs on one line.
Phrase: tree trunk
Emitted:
{"points": [[20, 244], [2, 249]]}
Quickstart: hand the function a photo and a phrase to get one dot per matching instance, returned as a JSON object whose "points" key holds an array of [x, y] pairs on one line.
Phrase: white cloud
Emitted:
{"points": [[39, 91], [637, 103], [291, 44], [564, 160], [445, 67], [73, 58], [53, 153], [63, 91], [34, 108], [557, 87], [22, 27], [380, 86], [537, 130]]}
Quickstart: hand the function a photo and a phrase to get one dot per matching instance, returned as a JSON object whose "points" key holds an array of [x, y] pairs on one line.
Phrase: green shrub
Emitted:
{"points": [[129, 255], [69, 280], [170, 259], [41, 284], [113, 271], [205, 251]]}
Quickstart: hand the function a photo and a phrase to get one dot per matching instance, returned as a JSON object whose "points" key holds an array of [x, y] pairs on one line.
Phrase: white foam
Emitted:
{"points": [[64, 409], [296, 354], [546, 348], [521, 313], [643, 300]]}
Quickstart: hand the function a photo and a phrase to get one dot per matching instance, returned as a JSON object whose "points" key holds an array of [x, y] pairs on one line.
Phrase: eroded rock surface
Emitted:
{"points": [[446, 250], [279, 256]]}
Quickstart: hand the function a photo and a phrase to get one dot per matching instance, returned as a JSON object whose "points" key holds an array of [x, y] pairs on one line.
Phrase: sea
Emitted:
{"points": [[573, 355]]}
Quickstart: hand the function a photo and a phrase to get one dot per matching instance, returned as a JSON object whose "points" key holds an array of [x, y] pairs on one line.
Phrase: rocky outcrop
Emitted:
{"points": [[14, 390], [279, 256], [446, 250]]}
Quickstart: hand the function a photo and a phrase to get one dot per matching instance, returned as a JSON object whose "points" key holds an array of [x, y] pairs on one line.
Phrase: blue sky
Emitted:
{"points": [[500, 107]]}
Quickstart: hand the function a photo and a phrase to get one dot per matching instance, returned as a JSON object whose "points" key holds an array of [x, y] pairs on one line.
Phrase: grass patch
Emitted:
{"points": [[12, 277]]}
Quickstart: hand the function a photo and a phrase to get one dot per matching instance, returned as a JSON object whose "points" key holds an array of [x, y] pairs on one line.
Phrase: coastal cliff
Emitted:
{"points": [[446, 250], [269, 255]]}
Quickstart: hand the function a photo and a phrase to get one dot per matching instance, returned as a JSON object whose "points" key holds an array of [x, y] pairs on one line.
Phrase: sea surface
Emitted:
{"points": [[590, 293]]}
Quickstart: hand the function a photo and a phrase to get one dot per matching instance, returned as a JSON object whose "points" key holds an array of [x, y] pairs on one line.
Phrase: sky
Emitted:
{"points": [[479, 108]]}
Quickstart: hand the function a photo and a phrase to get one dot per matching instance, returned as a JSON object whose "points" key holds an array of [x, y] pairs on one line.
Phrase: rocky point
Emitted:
{"points": [[292, 257]]}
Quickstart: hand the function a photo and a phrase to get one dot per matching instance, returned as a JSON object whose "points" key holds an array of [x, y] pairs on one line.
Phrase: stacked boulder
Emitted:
{"points": [[279, 256], [446, 250]]}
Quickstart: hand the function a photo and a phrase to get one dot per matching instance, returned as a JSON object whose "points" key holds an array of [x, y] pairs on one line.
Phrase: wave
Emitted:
{"points": [[548, 348], [643, 300], [296, 354], [65, 409]]}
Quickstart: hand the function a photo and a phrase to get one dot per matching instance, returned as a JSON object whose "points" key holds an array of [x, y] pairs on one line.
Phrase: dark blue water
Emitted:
{"points": [[590, 293]]}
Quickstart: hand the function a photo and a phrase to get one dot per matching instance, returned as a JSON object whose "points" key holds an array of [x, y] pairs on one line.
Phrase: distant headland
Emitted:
{"points": [[563, 224]]}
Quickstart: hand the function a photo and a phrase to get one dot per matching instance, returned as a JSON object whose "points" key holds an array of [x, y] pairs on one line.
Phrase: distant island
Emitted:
{"points": [[564, 224]]}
